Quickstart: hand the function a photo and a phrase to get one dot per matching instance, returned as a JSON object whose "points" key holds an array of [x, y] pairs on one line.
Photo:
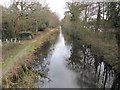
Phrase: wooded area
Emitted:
{"points": [[22, 19]]}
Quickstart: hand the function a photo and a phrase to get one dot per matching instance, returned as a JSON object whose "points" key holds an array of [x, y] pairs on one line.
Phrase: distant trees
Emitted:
{"points": [[98, 16], [23, 16], [74, 12]]}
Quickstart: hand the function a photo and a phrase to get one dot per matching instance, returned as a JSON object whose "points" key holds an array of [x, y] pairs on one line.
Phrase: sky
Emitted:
{"points": [[57, 6]]}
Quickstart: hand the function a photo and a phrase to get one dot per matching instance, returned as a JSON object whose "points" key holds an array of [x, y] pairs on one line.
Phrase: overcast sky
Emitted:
{"points": [[57, 6]]}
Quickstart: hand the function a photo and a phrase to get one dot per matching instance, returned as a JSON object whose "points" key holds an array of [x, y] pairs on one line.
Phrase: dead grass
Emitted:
{"points": [[10, 51], [27, 55], [101, 45]]}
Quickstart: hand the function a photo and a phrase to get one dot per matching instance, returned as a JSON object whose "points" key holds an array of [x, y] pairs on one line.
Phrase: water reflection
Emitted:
{"points": [[40, 65], [71, 66], [58, 76], [92, 71]]}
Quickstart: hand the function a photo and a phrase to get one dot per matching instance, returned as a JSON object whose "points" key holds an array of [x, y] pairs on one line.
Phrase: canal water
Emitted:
{"points": [[59, 70]]}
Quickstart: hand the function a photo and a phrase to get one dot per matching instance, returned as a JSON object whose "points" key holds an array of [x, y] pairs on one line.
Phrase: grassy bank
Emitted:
{"points": [[11, 50], [22, 53], [103, 44]]}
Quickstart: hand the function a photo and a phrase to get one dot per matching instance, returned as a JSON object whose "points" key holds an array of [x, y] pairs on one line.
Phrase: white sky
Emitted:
{"points": [[57, 6]]}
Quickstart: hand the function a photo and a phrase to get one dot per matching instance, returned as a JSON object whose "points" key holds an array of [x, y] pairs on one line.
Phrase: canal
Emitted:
{"points": [[59, 68]]}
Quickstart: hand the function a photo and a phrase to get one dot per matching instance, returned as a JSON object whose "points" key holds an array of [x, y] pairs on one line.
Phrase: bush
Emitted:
{"points": [[25, 35]]}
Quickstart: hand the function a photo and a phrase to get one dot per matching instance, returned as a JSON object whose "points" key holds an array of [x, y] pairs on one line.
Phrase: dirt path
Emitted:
{"points": [[15, 59], [38, 40]]}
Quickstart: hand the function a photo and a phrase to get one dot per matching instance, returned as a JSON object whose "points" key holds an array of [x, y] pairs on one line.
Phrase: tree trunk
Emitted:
{"points": [[98, 17], [36, 26], [85, 19]]}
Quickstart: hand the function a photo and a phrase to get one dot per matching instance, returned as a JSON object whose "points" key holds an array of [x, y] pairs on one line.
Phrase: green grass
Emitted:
{"points": [[14, 51], [28, 48], [10, 51], [13, 54]]}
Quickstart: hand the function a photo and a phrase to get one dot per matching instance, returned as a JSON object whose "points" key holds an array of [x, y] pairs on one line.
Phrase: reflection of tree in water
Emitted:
{"points": [[92, 70], [41, 63], [116, 83]]}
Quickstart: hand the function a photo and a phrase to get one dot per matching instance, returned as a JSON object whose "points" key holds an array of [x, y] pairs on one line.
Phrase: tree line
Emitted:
{"points": [[100, 15], [30, 17], [96, 17]]}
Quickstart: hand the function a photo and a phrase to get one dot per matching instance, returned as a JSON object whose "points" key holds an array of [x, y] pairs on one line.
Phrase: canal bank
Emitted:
{"points": [[62, 65], [93, 54], [16, 67], [69, 66], [102, 46]]}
